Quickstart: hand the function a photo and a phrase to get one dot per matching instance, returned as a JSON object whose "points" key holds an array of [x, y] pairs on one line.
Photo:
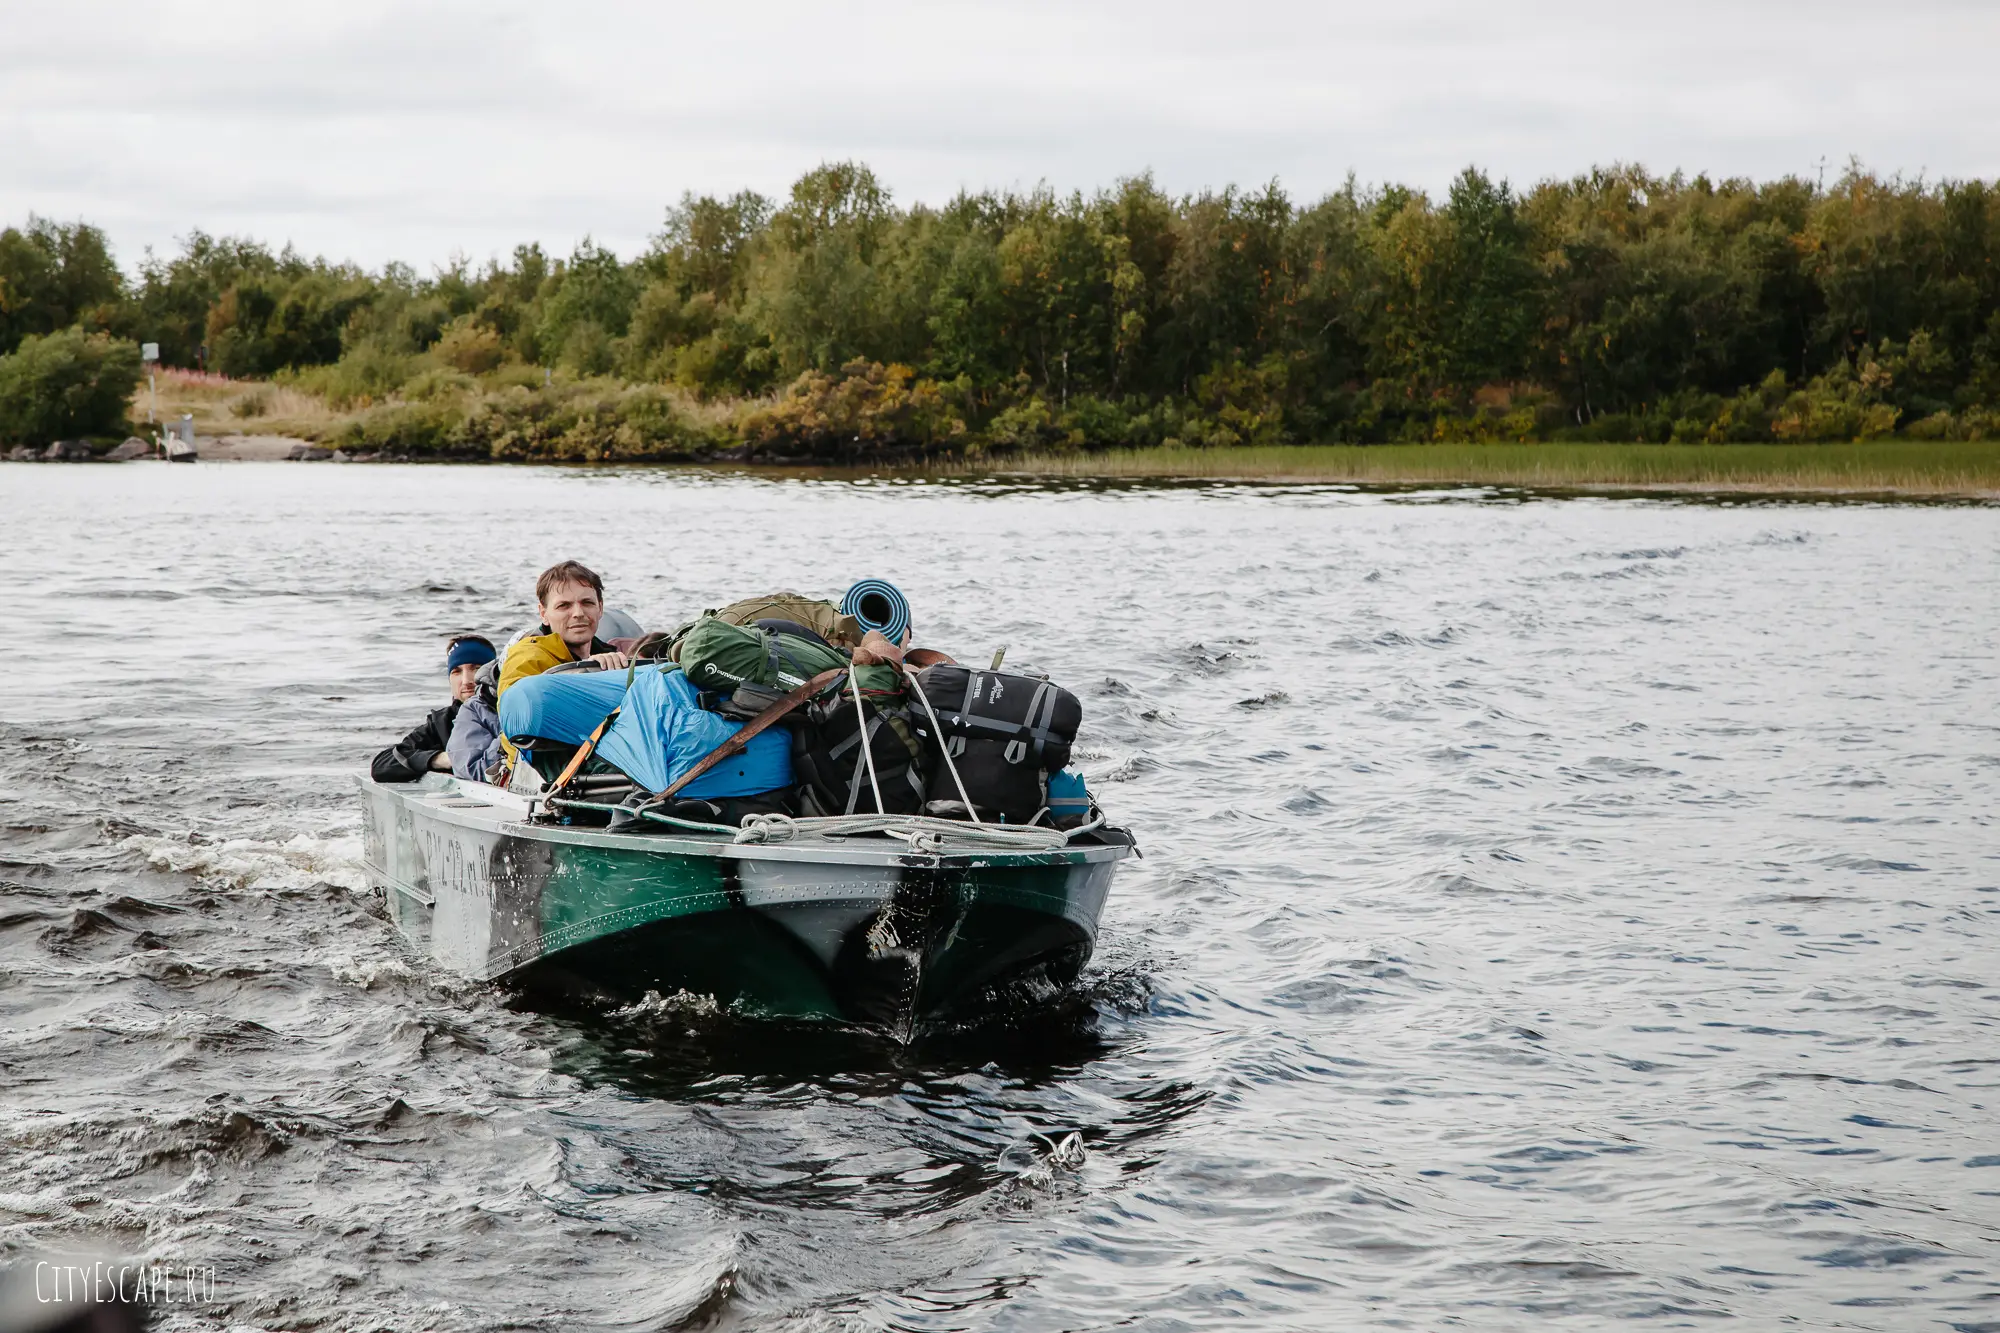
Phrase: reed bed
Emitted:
{"points": [[1903, 467]]}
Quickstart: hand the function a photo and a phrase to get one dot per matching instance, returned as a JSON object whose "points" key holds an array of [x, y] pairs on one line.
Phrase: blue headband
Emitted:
{"points": [[470, 652]]}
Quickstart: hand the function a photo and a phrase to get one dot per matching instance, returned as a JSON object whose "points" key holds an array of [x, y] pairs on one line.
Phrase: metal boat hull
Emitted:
{"points": [[858, 930]]}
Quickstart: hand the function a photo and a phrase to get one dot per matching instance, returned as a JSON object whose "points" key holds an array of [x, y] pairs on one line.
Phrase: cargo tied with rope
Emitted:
{"points": [[782, 706]]}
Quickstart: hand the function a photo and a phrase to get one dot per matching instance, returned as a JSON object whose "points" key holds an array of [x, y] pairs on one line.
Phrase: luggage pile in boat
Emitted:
{"points": [[781, 709]]}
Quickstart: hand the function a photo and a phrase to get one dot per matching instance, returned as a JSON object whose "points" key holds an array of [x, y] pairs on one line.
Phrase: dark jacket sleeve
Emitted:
{"points": [[410, 758]]}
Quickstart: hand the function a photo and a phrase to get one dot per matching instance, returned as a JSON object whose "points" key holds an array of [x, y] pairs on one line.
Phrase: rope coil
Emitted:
{"points": [[924, 833]]}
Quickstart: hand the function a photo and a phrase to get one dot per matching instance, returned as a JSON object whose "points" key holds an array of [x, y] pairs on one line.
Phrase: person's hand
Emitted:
{"points": [[440, 762], [610, 661], [876, 650]]}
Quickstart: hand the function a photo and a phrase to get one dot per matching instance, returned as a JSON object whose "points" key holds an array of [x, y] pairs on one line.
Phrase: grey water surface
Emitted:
{"points": [[1554, 912]]}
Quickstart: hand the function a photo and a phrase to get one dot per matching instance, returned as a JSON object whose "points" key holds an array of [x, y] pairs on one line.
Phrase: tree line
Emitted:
{"points": [[1617, 305]]}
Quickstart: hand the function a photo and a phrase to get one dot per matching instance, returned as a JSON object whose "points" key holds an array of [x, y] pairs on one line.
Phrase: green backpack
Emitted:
{"points": [[721, 657], [751, 668]]}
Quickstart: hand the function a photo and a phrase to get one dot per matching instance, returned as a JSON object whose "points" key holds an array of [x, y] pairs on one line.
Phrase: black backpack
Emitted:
{"points": [[831, 770], [1005, 733]]}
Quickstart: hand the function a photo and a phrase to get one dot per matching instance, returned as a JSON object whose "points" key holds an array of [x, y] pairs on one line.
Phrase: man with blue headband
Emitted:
{"points": [[424, 750]]}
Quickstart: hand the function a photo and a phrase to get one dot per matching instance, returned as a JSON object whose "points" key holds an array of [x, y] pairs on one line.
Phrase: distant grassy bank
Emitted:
{"points": [[222, 406], [1904, 467], [579, 421]]}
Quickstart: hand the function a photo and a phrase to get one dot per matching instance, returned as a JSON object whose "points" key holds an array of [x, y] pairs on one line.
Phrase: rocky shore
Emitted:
{"points": [[232, 448]]}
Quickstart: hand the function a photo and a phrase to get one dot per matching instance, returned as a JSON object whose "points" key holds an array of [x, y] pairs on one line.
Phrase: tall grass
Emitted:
{"points": [[222, 406], [1881, 466]]}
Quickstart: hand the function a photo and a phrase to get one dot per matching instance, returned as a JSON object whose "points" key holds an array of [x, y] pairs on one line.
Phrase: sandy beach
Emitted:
{"points": [[247, 448]]}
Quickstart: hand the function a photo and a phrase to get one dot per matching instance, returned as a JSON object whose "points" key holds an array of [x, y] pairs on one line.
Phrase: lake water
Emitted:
{"points": [[1554, 911]]}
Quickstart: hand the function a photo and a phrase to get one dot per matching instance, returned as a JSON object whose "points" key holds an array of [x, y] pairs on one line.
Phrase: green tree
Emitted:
{"points": [[587, 305], [1405, 305], [53, 275], [1056, 300], [815, 291], [706, 243], [238, 331], [67, 384], [967, 322], [175, 297], [1227, 260], [1491, 290]]}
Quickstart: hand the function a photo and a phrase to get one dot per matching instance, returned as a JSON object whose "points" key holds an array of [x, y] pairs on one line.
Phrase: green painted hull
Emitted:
{"points": [[862, 930]]}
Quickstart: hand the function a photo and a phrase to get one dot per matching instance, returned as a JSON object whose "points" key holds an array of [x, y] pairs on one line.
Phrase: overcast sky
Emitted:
{"points": [[369, 130]]}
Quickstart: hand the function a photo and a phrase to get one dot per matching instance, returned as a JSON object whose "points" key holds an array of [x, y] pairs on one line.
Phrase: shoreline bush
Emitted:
{"points": [[588, 421], [66, 385]]}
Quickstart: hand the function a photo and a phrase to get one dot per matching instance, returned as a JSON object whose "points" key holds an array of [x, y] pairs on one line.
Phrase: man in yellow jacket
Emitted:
{"points": [[570, 599]]}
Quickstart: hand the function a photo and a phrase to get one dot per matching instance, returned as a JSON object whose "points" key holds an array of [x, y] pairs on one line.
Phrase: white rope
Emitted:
{"points": [[867, 741], [1096, 821], [944, 744], [922, 832]]}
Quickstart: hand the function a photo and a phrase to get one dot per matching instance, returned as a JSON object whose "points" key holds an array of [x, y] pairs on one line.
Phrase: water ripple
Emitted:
{"points": [[1552, 910]]}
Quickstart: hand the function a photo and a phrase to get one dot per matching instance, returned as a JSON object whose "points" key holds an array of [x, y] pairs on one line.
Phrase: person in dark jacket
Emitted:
{"points": [[475, 735], [424, 750]]}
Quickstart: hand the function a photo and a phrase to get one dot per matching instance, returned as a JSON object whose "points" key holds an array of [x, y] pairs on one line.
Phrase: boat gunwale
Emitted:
{"points": [[507, 812]]}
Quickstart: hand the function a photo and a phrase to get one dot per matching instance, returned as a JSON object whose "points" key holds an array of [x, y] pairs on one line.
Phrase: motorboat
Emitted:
{"points": [[884, 921]]}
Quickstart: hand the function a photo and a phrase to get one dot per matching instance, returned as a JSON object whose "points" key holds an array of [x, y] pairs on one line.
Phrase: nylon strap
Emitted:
{"points": [[583, 751]]}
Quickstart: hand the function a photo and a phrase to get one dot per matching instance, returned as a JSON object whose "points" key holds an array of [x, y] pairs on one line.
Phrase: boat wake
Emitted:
{"points": [[298, 862]]}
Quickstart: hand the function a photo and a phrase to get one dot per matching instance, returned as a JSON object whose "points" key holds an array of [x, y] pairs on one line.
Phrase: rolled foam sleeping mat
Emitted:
{"points": [[878, 604]]}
